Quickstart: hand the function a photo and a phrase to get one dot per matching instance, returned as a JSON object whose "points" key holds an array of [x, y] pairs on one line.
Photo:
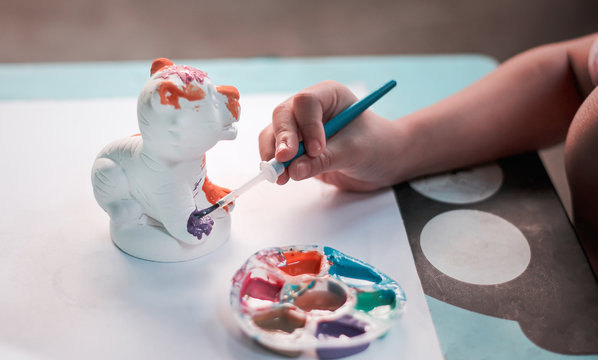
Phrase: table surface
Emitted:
{"points": [[422, 80]]}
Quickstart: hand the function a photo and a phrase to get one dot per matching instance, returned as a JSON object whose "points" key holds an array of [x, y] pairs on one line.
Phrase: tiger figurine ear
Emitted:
{"points": [[159, 64]]}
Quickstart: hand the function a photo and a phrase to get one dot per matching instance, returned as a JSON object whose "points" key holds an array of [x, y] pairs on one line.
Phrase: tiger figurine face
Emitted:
{"points": [[182, 113]]}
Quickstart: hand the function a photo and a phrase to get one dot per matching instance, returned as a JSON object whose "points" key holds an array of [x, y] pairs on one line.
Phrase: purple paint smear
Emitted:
{"points": [[199, 225], [196, 187], [186, 73]]}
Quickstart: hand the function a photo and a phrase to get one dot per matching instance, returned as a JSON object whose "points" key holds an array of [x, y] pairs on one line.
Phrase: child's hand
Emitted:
{"points": [[360, 157]]}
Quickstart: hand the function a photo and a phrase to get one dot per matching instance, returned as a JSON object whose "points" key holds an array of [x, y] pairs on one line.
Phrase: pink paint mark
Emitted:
{"points": [[187, 74], [262, 289]]}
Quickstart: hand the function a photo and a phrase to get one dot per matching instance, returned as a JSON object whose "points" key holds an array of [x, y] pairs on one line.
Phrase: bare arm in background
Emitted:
{"points": [[533, 100]]}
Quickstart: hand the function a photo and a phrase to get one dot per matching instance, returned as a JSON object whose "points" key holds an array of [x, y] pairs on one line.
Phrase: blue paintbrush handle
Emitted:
{"points": [[347, 115]]}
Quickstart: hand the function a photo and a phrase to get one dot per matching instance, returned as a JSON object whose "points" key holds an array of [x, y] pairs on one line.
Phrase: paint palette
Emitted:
{"points": [[314, 299]]}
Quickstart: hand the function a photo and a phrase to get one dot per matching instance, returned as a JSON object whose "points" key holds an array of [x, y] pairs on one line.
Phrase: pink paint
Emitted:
{"points": [[262, 289], [187, 74]]}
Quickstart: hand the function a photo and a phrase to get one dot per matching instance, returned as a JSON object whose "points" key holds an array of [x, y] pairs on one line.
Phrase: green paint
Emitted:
{"points": [[367, 301]]}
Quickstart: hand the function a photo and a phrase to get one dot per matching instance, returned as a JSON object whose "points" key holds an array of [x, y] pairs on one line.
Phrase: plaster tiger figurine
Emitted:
{"points": [[151, 184]]}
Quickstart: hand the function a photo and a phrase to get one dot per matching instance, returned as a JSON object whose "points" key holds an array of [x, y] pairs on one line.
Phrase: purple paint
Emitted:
{"points": [[346, 325], [186, 73], [199, 225], [196, 185]]}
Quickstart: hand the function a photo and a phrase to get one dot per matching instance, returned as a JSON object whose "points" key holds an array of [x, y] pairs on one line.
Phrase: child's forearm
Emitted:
{"points": [[525, 104]]}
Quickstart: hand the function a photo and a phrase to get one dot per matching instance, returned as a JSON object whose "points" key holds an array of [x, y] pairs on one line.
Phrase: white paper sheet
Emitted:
{"points": [[69, 293]]}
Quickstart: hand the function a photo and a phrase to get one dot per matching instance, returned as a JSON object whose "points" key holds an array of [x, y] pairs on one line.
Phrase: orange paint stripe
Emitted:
{"points": [[170, 93], [232, 94]]}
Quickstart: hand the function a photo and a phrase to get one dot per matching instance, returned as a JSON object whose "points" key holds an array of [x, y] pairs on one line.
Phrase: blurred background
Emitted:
{"points": [[35, 31], [106, 30]]}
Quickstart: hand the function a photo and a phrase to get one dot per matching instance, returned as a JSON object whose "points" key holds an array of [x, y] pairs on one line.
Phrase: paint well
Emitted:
{"points": [[463, 186], [343, 266], [262, 289], [369, 300], [302, 262], [280, 319], [323, 295], [475, 247], [345, 326]]}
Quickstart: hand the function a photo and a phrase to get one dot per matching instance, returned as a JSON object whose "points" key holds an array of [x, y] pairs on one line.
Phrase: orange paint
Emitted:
{"points": [[308, 262], [232, 95], [170, 93], [139, 134], [214, 192], [159, 64]]}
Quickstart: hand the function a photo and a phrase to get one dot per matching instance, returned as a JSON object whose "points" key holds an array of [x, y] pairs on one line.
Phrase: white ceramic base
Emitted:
{"points": [[152, 242]]}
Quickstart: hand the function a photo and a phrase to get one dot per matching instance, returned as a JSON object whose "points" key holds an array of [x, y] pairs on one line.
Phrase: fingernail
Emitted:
{"points": [[314, 147], [302, 170], [281, 147]]}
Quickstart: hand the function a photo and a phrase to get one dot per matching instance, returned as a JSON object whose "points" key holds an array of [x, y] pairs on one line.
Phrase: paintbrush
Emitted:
{"points": [[272, 169]]}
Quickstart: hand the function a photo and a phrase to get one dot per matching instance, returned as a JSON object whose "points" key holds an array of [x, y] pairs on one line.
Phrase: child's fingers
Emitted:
{"points": [[267, 143], [333, 96], [316, 105], [283, 178], [301, 118], [306, 166], [285, 131], [342, 151], [308, 114]]}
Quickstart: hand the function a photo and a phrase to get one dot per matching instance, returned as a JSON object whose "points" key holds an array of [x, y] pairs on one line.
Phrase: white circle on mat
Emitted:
{"points": [[462, 186], [475, 247]]}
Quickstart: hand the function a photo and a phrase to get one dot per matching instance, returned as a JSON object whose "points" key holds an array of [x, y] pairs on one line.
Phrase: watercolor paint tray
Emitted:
{"points": [[313, 298]]}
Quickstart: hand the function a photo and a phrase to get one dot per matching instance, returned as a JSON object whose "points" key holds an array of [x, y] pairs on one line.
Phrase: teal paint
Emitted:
{"points": [[342, 265]]}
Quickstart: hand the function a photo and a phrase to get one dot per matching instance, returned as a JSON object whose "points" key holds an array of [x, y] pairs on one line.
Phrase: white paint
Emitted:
{"points": [[475, 247], [463, 186]]}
